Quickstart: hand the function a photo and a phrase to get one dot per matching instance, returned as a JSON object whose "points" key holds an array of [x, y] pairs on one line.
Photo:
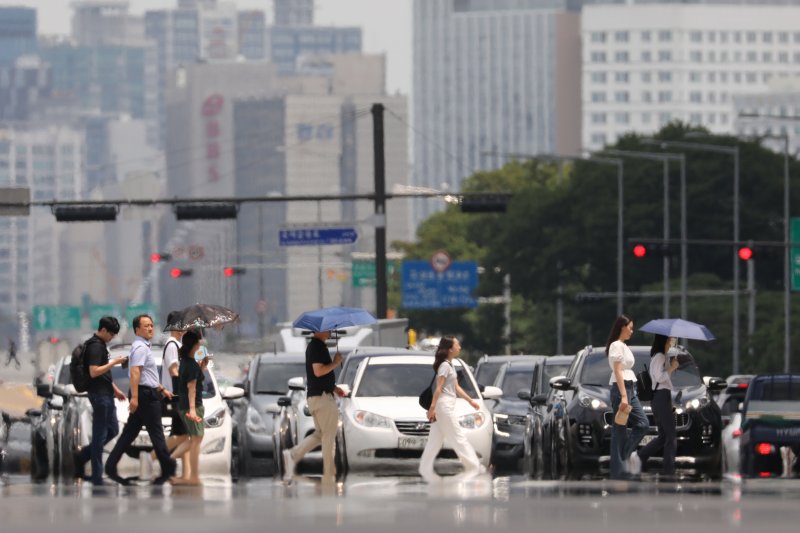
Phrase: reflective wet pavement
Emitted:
{"points": [[366, 503]]}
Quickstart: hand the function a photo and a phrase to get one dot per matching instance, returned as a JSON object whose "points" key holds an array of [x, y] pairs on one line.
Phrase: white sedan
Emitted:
{"points": [[383, 424]]}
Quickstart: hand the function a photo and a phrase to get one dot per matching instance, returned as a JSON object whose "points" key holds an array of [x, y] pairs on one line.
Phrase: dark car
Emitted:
{"points": [[771, 426], [509, 412], [489, 366], [579, 420], [536, 456], [254, 414]]}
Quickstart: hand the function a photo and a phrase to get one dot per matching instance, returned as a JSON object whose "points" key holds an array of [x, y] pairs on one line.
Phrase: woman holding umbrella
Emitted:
{"points": [[624, 400], [661, 368]]}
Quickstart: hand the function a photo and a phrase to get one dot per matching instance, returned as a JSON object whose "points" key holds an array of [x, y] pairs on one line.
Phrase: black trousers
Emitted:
{"points": [[147, 415], [666, 440]]}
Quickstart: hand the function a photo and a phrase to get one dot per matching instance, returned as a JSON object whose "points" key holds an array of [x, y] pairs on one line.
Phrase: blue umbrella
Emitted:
{"points": [[679, 328], [333, 318]]}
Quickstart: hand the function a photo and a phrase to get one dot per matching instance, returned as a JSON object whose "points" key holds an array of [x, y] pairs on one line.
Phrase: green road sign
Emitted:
{"points": [[794, 254], [98, 311], [135, 310], [47, 317], [364, 272]]}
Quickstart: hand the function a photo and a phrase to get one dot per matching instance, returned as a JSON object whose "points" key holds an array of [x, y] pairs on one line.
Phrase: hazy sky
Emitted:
{"points": [[386, 25]]}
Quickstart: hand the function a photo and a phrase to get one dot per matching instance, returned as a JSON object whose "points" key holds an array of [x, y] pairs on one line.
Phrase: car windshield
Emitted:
{"points": [[596, 370], [121, 380], [778, 389], [350, 369], [272, 378], [487, 372], [551, 371], [515, 381], [403, 380]]}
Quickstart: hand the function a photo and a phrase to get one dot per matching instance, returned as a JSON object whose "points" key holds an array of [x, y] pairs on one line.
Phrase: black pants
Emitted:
{"points": [[666, 440], [147, 415]]}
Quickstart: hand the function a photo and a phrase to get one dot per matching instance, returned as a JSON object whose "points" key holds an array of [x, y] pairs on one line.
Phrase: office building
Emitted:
{"points": [[288, 44], [106, 22], [252, 35], [293, 12], [18, 27], [24, 86], [647, 65], [491, 78]]}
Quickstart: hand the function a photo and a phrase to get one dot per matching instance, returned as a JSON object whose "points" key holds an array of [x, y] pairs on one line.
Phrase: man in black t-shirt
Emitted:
{"points": [[321, 387], [102, 392]]}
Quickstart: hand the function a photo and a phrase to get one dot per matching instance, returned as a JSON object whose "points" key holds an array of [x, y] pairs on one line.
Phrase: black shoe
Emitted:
{"points": [[168, 473], [113, 476]]}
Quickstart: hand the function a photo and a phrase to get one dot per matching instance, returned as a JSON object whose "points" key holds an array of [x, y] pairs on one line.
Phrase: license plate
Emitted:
{"points": [[411, 443], [142, 441], [648, 439]]}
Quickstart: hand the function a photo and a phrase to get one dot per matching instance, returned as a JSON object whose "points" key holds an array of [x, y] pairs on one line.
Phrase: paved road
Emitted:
{"points": [[405, 504]]}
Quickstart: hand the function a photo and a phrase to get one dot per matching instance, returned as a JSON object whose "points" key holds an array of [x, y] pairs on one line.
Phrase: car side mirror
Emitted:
{"points": [[284, 401], [43, 390], [539, 399], [297, 383], [492, 393], [233, 393], [715, 384], [524, 394], [561, 383]]}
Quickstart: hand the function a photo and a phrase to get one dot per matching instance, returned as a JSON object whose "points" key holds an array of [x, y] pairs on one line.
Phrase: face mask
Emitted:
{"points": [[201, 353]]}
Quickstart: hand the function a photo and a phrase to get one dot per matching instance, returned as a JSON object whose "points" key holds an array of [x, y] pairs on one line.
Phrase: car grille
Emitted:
{"points": [[682, 420], [413, 427]]}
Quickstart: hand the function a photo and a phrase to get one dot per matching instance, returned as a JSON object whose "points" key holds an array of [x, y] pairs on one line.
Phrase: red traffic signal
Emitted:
{"points": [[232, 271], [180, 272], [745, 253], [639, 251], [157, 258]]}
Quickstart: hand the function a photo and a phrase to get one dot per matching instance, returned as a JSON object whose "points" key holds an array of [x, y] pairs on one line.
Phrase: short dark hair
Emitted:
{"points": [[108, 323], [138, 319], [172, 317]]}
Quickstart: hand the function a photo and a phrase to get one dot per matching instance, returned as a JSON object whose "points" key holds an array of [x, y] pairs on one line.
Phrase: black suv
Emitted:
{"points": [[579, 420], [536, 456]]}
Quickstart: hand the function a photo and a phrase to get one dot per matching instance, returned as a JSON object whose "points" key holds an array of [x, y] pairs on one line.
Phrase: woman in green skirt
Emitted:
{"points": [[190, 405]]}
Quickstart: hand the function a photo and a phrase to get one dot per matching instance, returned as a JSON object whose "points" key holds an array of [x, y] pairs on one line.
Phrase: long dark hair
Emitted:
{"points": [[659, 343], [443, 351], [189, 344], [616, 329]]}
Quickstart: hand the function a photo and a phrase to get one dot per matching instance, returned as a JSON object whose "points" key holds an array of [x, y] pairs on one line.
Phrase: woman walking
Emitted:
{"points": [[190, 407], [444, 424], [623, 397], [661, 369]]}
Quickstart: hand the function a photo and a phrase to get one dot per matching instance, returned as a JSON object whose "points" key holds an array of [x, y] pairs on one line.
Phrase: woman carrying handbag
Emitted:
{"points": [[441, 414]]}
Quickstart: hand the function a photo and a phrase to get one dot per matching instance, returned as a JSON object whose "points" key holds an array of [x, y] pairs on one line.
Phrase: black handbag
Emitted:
{"points": [[426, 396], [644, 385]]}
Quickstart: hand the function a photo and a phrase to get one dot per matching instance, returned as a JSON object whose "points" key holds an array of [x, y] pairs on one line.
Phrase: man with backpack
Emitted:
{"points": [[93, 360]]}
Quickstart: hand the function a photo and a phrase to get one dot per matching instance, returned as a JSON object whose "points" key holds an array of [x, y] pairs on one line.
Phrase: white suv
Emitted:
{"points": [[383, 424]]}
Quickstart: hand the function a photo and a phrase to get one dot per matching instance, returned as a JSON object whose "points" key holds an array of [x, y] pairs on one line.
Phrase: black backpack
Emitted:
{"points": [[78, 369], [644, 385]]}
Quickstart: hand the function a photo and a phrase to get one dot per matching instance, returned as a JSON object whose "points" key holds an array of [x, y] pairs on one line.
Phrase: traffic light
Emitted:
{"points": [[233, 271], [639, 251], [160, 258], [180, 272], [745, 253], [485, 203]]}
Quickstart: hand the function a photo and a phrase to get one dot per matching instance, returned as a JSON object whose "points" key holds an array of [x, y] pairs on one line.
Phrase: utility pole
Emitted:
{"points": [[507, 311], [380, 211], [751, 306]]}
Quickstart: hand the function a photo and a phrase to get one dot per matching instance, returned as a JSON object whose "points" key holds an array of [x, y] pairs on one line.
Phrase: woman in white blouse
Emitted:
{"points": [[624, 441], [661, 368], [444, 423]]}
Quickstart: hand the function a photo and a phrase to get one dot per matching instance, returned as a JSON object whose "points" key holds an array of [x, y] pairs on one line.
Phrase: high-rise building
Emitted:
{"points": [[647, 65], [289, 44], [252, 35], [294, 12], [18, 26], [105, 22], [769, 114], [23, 86], [491, 77]]}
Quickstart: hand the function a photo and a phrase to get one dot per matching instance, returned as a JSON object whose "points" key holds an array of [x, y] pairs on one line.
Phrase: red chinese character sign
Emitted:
{"points": [[211, 110]]}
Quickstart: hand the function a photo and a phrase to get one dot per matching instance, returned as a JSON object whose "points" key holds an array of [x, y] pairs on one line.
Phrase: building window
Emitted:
{"points": [[783, 37], [712, 77], [737, 57], [622, 118], [598, 97], [621, 77], [646, 118], [797, 57], [694, 76], [723, 77], [665, 36], [711, 117], [598, 36], [598, 57], [712, 37], [696, 56], [665, 76], [751, 77], [621, 57], [695, 119], [723, 118], [664, 55], [737, 36], [696, 36], [783, 57], [598, 118], [646, 57], [712, 98], [599, 139], [723, 57], [621, 96], [647, 97], [621, 36], [796, 37], [723, 37], [766, 37], [752, 57], [712, 57], [765, 77], [647, 77], [723, 97], [598, 77], [737, 77], [646, 36], [664, 118], [696, 97], [664, 96], [766, 57], [751, 37]]}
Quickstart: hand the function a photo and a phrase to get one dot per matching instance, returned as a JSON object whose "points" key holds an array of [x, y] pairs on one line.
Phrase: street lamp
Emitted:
{"points": [[666, 157], [733, 151]]}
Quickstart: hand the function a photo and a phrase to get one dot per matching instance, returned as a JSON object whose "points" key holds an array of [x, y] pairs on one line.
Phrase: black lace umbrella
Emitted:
{"points": [[201, 316]]}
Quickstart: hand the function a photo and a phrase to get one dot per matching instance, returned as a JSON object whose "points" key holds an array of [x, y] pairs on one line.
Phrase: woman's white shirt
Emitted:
{"points": [[659, 373], [447, 371], [619, 352]]}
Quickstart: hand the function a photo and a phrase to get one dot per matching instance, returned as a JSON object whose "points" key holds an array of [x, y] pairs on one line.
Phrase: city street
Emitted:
{"points": [[404, 504]]}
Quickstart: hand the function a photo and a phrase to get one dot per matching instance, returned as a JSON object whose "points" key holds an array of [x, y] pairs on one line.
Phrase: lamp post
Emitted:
{"points": [[734, 152], [681, 158]]}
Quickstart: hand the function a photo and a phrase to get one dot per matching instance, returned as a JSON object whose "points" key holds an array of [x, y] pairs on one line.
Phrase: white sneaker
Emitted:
{"points": [[634, 464], [288, 465]]}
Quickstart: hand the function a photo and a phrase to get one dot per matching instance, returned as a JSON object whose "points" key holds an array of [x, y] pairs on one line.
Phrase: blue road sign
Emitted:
{"points": [[317, 236], [424, 288]]}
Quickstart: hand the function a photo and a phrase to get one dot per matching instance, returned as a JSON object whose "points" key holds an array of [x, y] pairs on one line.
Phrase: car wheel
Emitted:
{"points": [[341, 460], [538, 462]]}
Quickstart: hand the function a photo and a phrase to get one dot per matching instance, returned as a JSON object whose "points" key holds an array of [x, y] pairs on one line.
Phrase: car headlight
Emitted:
{"points": [[216, 418], [371, 420], [590, 402], [472, 420], [697, 403], [255, 424]]}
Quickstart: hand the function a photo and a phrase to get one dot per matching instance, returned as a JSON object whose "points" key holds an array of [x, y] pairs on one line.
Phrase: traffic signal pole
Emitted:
{"points": [[381, 288]]}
